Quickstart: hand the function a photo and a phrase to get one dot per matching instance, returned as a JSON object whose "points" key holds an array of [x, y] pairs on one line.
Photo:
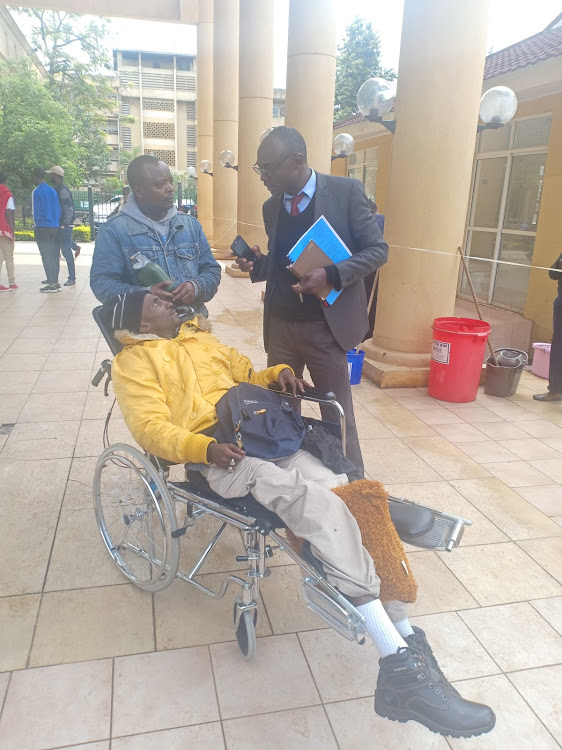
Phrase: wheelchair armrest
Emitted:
{"points": [[309, 393]]}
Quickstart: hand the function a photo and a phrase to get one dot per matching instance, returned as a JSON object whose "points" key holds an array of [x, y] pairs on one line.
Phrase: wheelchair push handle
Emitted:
{"points": [[312, 393]]}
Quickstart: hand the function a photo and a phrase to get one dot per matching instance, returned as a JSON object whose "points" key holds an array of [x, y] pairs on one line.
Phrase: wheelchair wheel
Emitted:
{"points": [[246, 632], [135, 517]]}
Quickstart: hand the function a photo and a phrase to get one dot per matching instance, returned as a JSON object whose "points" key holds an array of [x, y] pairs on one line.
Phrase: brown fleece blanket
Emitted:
{"points": [[368, 503]]}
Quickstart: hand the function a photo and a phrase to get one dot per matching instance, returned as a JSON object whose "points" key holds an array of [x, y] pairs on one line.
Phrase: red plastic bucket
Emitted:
{"points": [[457, 355]]}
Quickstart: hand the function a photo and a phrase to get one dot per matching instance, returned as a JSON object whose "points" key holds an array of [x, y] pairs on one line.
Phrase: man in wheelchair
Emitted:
{"points": [[168, 379]]}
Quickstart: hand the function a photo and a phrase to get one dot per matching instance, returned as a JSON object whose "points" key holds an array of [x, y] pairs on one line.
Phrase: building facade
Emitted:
{"points": [[13, 44]]}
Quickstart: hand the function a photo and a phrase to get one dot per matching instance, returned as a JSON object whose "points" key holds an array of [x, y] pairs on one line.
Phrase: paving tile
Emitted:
{"points": [[298, 729], [513, 413], [341, 669], [65, 360], [518, 474], [90, 436], [476, 415], [460, 433], [17, 621], [541, 690], [502, 430], [56, 407], [65, 381], [539, 428], [500, 574], [445, 458], [286, 609], [551, 610], [32, 346], [516, 724], [554, 443], [442, 496], [18, 382], [399, 420], [166, 695], [41, 440], [460, 655], [368, 426], [79, 558], [104, 745], [548, 553], [506, 509], [276, 679], [515, 636], [71, 346], [531, 448], [17, 362], [4, 680], [414, 401], [11, 407], [198, 737], [185, 616], [438, 589], [97, 405], [78, 494], [393, 461], [486, 451], [551, 467], [437, 415], [78, 695], [557, 519], [356, 725]]}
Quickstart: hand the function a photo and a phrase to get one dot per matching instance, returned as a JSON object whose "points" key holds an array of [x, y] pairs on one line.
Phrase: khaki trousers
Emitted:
{"points": [[7, 254], [296, 488]]}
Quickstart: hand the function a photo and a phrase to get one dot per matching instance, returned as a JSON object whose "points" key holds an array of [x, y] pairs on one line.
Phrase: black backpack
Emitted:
{"points": [[259, 421]]}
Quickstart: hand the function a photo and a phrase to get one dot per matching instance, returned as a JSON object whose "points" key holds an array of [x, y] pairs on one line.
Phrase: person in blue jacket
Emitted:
{"points": [[46, 217], [150, 224]]}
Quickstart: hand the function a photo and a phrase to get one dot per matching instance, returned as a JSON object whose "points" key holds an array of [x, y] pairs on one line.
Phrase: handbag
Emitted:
{"points": [[260, 422]]}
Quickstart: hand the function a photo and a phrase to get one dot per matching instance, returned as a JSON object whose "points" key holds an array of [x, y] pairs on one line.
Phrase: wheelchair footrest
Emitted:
{"points": [[425, 527], [345, 622]]}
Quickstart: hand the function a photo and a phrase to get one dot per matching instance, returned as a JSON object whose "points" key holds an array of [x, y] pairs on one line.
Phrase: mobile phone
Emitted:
{"points": [[241, 248]]}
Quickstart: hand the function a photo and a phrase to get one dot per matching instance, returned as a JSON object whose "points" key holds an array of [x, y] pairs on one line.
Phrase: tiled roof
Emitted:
{"points": [[349, 121], [529, 51]]}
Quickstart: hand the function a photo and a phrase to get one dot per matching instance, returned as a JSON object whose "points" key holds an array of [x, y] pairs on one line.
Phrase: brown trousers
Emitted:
{"points": [[7, 254], [311, 344]]}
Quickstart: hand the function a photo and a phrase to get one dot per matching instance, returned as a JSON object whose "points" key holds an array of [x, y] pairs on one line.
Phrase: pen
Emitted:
{"points": [[301, 299]]}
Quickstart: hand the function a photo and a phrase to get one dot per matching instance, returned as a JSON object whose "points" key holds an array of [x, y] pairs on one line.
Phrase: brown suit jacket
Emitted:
{"points": [[344, 204]]}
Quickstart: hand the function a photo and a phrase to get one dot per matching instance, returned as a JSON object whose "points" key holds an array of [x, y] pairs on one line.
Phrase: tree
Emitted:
{"points": [[72, 50], [35, 129], [126, 157], [358, 59]]}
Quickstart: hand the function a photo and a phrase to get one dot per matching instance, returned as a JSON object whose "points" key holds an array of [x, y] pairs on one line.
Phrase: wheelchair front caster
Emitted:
{"points": [[246, 632]]}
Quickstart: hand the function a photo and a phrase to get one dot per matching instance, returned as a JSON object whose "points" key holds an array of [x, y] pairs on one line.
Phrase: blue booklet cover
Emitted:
{"points": [[327, 239]]}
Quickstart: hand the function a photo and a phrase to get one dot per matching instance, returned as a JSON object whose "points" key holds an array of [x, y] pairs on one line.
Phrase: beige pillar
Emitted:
{"points": [[205, 114], [255, 113], [225, 113], [311, 76], [439, 86]]}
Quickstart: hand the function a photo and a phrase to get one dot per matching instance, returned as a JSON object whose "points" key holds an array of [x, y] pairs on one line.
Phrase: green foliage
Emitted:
{"points": [[25, 235], [126, 157], [113, 185], [81, 233], [358, 59]]}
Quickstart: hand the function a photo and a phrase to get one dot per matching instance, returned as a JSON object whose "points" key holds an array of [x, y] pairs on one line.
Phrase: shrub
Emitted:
{"points": [[25, 235], [81, 233]]}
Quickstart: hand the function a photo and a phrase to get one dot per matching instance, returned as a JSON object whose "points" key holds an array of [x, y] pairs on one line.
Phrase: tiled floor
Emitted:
{"points": [[88, 661]]}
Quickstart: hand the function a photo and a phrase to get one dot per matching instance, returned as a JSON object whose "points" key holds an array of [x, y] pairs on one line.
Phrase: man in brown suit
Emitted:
{"points": [[298, 329]]}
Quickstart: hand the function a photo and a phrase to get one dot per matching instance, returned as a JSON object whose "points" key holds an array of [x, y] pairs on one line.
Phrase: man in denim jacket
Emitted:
{"points": [[150, 224]]}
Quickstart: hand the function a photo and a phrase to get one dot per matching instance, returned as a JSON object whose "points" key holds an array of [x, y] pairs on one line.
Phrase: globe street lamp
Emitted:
{"points": [[375, 99], [226, 158], [344, 145], [192, 172], [205, 167], [497, 107]]}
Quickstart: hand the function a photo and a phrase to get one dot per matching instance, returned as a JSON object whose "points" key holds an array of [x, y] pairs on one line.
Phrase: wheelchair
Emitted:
{"points": [[137, 509]]}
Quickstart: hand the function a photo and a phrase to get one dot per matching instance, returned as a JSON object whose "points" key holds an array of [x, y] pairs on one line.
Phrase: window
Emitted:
{"points": [[362, 165], [191, 158], [126, 138], [191, 136], [111, 127], [168, 156], [125, 107], [159, 130], [161, 105], [191, 110], [504, 211], [184, 63], [114, 154], [185, 82]]}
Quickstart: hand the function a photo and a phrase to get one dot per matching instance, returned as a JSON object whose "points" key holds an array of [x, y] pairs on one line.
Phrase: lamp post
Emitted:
{"points": [[226, 157], [205, 167], [343, 145], [375, 99], [497, 107], [192, 172]]}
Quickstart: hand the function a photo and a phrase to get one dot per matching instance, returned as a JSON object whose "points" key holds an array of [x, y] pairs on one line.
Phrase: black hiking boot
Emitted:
{"points": [[418, 641], [409, 689]]}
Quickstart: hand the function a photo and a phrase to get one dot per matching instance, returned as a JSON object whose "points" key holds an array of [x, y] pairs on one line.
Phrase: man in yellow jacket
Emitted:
{"points": [[167, 380]]}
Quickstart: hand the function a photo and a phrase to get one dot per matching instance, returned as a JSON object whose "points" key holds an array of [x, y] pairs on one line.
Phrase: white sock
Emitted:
{"points": [[381, 628], [404, 628]]}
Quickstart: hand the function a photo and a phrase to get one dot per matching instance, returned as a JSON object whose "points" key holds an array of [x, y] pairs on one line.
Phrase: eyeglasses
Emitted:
{"points": [[269, 171]]}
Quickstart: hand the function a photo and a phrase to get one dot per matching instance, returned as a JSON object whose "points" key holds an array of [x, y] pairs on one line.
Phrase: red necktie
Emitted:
{"points": [[295, 200]]}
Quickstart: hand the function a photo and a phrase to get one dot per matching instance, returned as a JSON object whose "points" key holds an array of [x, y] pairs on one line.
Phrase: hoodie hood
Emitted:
{"points": [[131, 208]]}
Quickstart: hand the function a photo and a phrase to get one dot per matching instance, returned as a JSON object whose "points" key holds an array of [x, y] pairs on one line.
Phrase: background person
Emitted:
{"points": [[307, 333], [370, 279], [46, 223], [554, 392], [124, 199], [67, 217], [7, 228], [149, 223]]}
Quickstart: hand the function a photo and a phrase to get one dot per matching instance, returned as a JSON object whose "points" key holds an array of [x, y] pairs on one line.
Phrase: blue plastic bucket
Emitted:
{"points": [[355, 366]]}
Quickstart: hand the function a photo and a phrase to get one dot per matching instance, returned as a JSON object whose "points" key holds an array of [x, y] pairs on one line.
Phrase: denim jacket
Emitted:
{"points": [[185, 256]]}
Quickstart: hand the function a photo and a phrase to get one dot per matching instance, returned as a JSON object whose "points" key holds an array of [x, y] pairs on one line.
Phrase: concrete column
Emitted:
{"points": [[439, 88], [225, 113], [205, 114], [311, 76], [255, 113]]}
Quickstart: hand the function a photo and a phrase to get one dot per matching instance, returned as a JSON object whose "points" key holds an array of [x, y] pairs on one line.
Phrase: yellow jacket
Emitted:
{"points": [[167, 388]]}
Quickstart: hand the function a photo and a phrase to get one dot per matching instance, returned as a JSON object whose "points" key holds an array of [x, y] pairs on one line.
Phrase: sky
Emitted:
{"points": [[509, 22]]}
